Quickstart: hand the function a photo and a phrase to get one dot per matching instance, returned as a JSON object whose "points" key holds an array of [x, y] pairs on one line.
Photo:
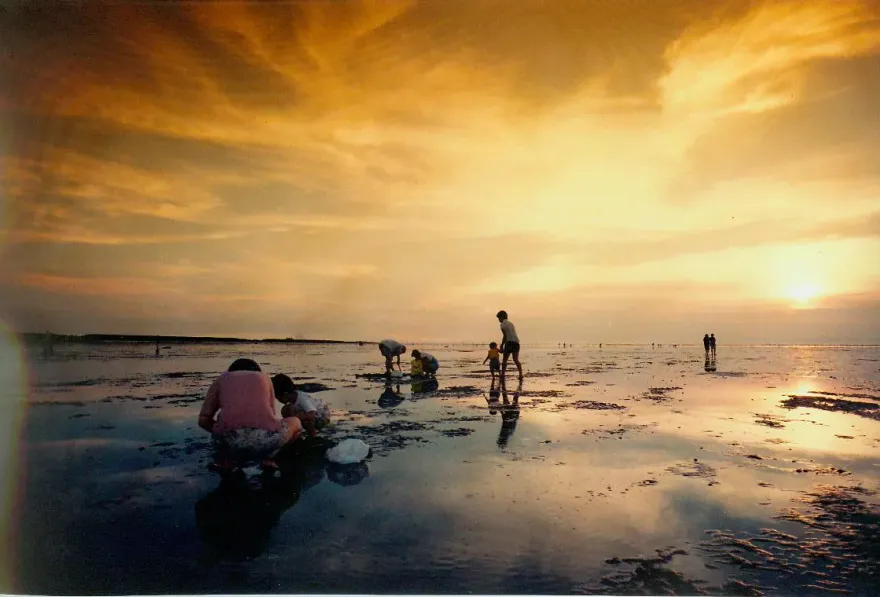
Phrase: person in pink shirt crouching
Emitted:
{"points": [[245, 427]]}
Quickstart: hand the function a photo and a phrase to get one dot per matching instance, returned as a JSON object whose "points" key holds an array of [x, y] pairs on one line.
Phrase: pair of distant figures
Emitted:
{"points": [[709, 343], [423, 364]]}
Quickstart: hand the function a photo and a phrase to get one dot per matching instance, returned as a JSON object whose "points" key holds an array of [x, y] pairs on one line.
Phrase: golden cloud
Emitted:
{"points": [[372, 153]]}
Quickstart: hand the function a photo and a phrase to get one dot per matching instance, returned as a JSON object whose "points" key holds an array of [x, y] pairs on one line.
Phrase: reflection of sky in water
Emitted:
{"points": [[116, 491]]}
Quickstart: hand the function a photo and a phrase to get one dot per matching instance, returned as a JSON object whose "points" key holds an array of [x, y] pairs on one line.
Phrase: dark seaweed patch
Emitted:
{"points": [[593, 405], [863, 396], [647, 576], [659, 394], [618, 432], [824, 470], [372, 376], [313, 387], [544, 394], [868, 410], [458, 391], [770, 421], [185, 374], [692, 469], [96, 381], [839, 553], [460, 432], [391, 435]]}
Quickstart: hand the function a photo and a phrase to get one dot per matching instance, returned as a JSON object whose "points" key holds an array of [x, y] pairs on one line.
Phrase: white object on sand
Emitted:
{"points": [[348, 451], [397, 374]]}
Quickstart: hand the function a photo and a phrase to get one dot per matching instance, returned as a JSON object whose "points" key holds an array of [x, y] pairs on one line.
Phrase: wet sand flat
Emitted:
{"points": [[625, 470]]}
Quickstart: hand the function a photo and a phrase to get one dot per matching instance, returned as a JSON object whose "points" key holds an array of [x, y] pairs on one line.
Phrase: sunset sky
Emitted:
{"points": [[606, 171]]}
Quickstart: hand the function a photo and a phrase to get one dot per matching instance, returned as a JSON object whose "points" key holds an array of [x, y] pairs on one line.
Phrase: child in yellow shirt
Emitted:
{"points": [[415, 368], [493, 357]]}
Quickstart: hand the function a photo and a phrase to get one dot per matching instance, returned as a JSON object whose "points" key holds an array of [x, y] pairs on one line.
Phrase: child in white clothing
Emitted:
{"points": [[312, 411]]}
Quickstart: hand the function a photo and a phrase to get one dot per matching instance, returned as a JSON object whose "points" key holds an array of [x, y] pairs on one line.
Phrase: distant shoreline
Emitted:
{"points": [[146, 339], [40, 338]]}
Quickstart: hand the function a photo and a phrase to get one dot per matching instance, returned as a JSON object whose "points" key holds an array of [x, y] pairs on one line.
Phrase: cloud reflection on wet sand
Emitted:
{"points": [[445, 506]]}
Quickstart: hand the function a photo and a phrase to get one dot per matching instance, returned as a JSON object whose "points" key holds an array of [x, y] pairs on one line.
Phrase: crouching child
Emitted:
{"points": [[312, 411]]}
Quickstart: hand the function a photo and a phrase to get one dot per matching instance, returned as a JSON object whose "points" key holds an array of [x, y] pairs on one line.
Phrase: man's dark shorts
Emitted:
{"points": [[511, 347]]}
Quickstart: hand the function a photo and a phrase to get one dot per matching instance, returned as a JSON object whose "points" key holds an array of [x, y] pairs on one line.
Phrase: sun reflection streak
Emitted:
{"points": [[804, 387]]}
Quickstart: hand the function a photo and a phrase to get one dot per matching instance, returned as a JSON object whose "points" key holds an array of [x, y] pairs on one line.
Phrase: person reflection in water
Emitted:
{"points": [[235, 521], [493, 399], [425, 386], [709, 365], [509, 414], [390, 397]]}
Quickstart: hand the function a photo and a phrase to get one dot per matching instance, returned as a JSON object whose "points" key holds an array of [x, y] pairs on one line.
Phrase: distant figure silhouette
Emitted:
{"points": [[600, 345], [712, 344], [707, 344], [157, 345]]}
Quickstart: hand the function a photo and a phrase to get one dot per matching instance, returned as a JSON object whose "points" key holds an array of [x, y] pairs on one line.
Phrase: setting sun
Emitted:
{"points": [[804, 294], [342, 170]]}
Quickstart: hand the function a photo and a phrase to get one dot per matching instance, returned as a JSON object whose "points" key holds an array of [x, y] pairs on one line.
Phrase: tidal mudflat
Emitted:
{"points": [[625, 470]]}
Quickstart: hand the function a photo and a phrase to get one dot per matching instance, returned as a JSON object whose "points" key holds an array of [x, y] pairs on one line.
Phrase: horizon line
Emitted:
{"points": [[144, 338]]}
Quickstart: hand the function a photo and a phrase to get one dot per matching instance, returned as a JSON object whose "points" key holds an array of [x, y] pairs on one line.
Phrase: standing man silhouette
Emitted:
{"points": [[509, 343]]}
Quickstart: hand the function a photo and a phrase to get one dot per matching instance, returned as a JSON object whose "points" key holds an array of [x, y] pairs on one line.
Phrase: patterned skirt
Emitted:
{"points": [[251, 444]]}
